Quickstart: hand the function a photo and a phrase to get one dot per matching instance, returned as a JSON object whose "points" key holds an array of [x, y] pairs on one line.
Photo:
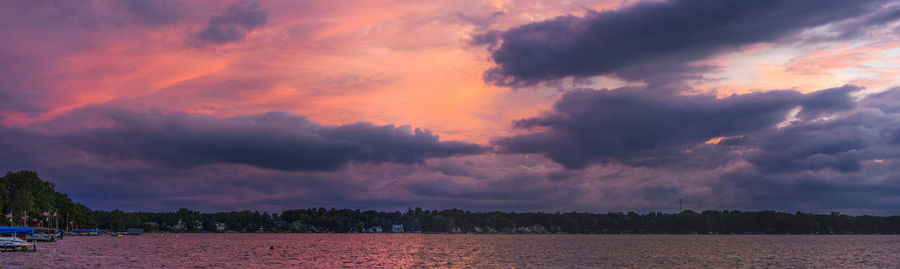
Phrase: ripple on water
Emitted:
{"points": [[445, 250]]}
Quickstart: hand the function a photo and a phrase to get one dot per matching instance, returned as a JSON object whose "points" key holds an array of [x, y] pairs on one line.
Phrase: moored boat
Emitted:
{"points": [[15, 244], [10, 238], [48, 234], [41, 238], [85, 232]]}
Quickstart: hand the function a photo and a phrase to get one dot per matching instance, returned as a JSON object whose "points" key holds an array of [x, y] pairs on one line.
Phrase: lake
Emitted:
{"points": [[460, 250]]}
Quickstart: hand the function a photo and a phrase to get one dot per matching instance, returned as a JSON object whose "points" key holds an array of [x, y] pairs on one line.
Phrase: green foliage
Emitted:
{"points": [[24, 193], [454, 220]]}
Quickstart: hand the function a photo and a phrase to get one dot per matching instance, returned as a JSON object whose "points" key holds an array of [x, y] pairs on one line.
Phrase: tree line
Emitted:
{"points": [[459, 221], [24, 199], [24, 191]]}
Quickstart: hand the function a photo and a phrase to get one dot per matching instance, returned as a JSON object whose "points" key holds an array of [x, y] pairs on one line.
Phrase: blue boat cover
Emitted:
{"points": [[16, 229], [60, 230], [85, 231]]}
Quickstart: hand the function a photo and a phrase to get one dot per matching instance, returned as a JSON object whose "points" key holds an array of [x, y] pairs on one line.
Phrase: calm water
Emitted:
{"points": [[445, 250]]}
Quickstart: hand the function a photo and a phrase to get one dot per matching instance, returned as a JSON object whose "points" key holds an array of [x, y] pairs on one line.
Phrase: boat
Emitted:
{"points": [[11, 240], [51, 234], [15, 244], [41, 238], [85, 232]]}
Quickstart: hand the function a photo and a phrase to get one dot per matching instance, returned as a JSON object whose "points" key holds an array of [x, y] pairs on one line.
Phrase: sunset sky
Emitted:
{"points": [[596, 106]]}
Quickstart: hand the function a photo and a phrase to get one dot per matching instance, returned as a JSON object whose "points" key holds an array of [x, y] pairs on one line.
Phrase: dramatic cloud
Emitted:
{"points": [[275, 140], [885, 101], [656, 41], [232, 26], [638, 126], [778, 149], [114, 102], [842, 142]]}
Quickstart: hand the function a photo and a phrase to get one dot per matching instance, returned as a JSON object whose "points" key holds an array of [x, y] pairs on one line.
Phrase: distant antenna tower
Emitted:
{"points": [[680, 209]]}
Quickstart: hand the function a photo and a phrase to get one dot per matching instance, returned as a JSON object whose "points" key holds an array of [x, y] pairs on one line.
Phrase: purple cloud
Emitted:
{"points": [[637, 126], [656, 41], [274, 140], [240, 18], [157, 161]]}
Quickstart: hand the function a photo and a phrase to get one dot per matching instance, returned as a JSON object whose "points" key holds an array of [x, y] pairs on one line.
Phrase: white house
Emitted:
{"points": [[179, 226]]}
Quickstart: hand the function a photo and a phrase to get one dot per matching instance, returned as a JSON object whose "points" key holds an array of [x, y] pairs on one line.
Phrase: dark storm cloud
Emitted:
{"points": [[656, 41], [860, 26], [823, 102], [821, 151], [232, 26], [275, 140], [641, 127], [839, 144], [887, 101], [153, 161], [843, 143]]}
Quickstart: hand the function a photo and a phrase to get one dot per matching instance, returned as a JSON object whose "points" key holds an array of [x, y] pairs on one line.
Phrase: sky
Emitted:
{"points": [[531, 105]]}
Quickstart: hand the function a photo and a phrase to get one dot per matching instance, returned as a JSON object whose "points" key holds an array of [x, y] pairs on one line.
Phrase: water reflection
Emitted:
{"points": [[445, 250]]}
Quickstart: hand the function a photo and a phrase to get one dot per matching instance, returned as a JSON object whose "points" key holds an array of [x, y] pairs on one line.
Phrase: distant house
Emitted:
{"points": [[135, 231], [198, 224], [536, 229], [375, 229], [220, 227], [179, 226], [280, 224], [397, 228]]}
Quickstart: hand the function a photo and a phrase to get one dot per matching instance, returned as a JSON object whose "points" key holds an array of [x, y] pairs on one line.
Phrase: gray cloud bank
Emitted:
{"points": [[660, 41], [274, 140], [636, 126], [786, 150]]}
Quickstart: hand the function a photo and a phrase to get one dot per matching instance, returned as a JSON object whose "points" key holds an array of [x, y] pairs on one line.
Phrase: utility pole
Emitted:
{"points": [[680, 208]]}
